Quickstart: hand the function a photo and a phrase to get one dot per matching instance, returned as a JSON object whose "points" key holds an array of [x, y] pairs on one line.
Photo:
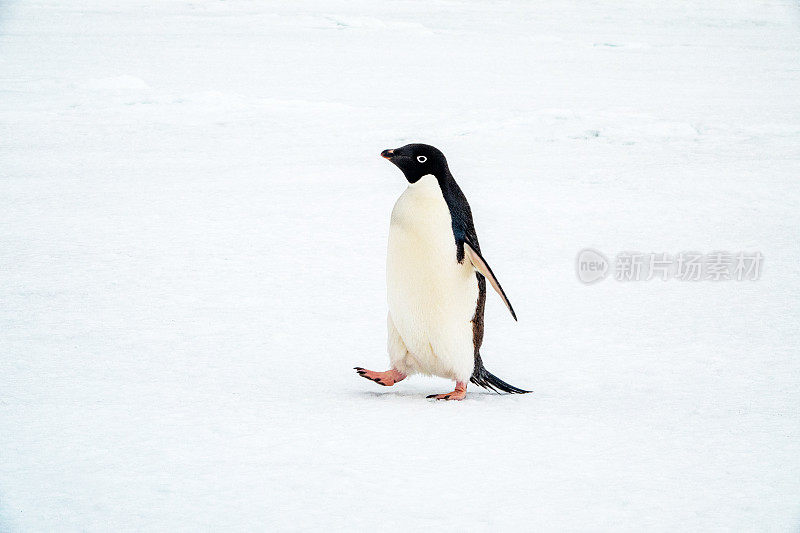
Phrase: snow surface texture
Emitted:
{"points": [[192, 244]]}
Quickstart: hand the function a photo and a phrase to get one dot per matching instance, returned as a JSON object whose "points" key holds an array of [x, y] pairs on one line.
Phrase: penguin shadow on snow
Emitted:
{"points": [[416, 394]]}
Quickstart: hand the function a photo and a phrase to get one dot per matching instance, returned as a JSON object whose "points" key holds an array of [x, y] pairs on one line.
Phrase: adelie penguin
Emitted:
{"points": [[436, 280]]}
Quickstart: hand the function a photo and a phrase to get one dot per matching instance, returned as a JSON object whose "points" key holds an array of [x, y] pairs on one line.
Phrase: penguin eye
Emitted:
{"points": [[421, 158]]}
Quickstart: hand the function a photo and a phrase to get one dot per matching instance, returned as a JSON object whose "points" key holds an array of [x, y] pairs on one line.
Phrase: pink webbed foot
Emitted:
{"points": [[387, 379], [459, 394]]}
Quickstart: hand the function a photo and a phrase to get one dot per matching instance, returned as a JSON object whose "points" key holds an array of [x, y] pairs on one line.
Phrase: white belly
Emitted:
{"points": [[431, 296]]}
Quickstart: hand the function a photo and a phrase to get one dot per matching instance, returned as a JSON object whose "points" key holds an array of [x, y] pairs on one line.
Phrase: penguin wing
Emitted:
{"points": [[483, 267]]}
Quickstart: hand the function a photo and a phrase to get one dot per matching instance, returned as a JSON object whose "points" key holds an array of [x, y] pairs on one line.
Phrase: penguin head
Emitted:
{"points": [[417, 160]]}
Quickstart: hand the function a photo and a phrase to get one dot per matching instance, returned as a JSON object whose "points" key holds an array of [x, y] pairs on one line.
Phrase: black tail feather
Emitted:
{"points": [[489, 381]]}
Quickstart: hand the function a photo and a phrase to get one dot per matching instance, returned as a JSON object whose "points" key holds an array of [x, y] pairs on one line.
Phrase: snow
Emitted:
{"points": [[192, 247]]}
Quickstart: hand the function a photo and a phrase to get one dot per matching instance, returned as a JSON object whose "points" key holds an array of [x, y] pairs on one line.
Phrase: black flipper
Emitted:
{"points": [[483, 267]]}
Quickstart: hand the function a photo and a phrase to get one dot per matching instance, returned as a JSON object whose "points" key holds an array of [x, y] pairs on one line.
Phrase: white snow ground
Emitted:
{"points": [[192, 242]]}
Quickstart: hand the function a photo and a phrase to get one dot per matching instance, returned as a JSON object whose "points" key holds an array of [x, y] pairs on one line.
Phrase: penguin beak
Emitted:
{"points": [[387, 154]]}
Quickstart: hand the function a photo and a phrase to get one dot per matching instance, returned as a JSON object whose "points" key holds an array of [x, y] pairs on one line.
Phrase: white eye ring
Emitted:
{"points": [[421, 158]]}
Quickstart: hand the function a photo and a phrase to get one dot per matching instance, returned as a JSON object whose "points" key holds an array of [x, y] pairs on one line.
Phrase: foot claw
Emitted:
{"points": [[385, 379], [459, 394]]}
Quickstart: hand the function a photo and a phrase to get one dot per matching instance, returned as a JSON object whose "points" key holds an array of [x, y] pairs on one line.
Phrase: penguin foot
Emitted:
{"points": [[387, 379], [459, 394]]}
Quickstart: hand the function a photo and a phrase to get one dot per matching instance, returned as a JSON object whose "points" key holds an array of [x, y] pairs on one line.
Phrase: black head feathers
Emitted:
{"points": [[417, 160]]}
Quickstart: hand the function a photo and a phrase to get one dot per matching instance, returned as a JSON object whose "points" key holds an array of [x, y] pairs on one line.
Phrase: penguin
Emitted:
{"points": [[435, 280]]}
